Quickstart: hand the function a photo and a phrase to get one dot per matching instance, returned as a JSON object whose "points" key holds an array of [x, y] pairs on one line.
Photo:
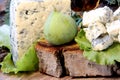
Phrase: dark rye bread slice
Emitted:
{"points": [[68, 59], [78, 66], [49, 59]]}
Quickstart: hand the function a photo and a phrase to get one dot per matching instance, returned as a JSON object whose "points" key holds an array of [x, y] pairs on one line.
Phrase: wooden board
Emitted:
{"points": [[40, 76]]}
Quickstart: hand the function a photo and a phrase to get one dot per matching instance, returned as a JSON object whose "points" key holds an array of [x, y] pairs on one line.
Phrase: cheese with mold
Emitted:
{"points": [[26, 20]]}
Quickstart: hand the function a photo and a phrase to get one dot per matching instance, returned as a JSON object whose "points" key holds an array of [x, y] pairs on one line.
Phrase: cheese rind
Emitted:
{"points": [[27, 18]]}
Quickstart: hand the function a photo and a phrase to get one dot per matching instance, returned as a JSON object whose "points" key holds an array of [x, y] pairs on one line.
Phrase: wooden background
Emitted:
{"points": [[40, 76]]}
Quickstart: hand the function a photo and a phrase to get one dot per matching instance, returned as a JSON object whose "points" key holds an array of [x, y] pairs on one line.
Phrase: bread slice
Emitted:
{"points": [[68, 59], [78, 66], [49, 59]]}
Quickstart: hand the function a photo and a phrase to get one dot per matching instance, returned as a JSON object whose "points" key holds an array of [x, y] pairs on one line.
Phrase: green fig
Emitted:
{"points": [[59, 28]]}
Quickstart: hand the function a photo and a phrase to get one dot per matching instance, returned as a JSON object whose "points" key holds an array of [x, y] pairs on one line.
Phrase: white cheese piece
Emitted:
{"points": [[27, 18], [119, 37], [102, 43], [103, 15], [113, 29], [94, 30], [116, 14]]}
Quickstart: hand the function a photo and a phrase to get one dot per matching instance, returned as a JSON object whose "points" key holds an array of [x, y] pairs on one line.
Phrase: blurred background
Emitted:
{"points": [[4, 19], [4, 11]]}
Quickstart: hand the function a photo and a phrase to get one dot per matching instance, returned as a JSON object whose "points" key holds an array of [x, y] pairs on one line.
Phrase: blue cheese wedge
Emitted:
{"points": [[94, 30], [103, 15], [26, 20]]}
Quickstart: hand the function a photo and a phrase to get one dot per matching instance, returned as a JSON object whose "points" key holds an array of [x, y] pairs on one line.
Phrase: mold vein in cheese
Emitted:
{"points": [[102, 43]]}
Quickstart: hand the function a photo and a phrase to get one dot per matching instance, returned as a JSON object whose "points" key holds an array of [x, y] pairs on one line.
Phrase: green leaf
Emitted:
{"points": [[28, 62], [5, 36], [7, 65], [105, 57], [82, 41]]}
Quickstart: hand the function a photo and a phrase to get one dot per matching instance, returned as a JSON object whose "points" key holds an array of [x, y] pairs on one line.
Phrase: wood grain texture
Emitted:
{"points": [[40, 76]]}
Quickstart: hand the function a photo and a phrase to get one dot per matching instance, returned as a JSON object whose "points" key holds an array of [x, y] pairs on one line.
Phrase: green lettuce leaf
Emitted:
{"points": [[28, 62], [5, 36], [105, 57], [7, 65], [82, 41]]}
